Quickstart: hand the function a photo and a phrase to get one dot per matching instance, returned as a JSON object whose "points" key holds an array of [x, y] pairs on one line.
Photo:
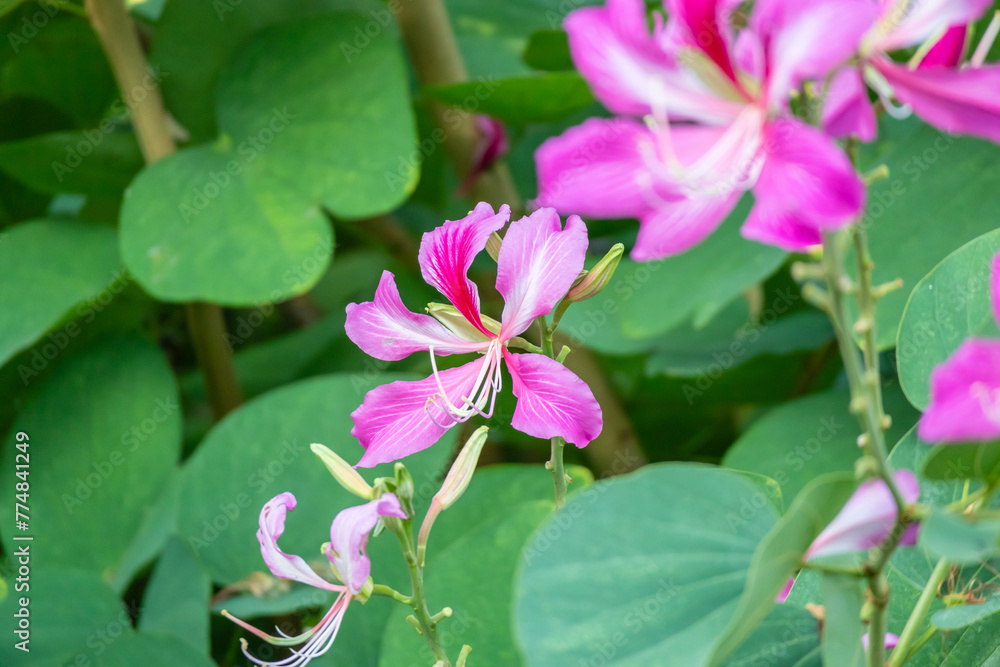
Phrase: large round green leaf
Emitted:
{"points": [[104, 435], [262, 449], [192, 229], [939, 196], [949, 305], [307, 124], [50, 267], [800, 440], [641, 570]]}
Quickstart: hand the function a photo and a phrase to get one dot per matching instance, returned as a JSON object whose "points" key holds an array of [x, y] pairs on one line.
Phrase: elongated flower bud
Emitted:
{"points": [[592, 282], [449, 316], [342, 471], [493, 246], [454, 485]]}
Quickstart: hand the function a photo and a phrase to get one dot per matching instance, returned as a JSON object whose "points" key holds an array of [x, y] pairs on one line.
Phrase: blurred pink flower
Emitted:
{"points": [[717, 122], [867, 518], [958, 99], [537, 264], [890, 640], [348, 557], [965, 389]]}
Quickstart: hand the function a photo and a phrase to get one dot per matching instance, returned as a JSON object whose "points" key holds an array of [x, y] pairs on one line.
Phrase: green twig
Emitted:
{"points": [[900, 654]]}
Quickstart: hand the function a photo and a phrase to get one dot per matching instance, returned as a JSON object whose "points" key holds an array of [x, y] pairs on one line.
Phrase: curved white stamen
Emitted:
{"points": [[320, 637], [986, 43], [883, 89], [484, 390]]}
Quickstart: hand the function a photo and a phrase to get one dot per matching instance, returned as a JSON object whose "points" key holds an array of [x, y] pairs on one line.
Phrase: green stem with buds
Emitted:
{"points": [[927, 596]]}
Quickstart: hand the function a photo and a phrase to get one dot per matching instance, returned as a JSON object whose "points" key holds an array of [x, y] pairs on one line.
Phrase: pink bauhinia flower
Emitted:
{"points": [[347, 552], [717, 124], [867, 518], [536, 266], [934, 84], [965, 389]]}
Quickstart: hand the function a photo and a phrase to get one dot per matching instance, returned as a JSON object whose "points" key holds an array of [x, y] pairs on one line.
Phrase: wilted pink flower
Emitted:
{"points": [[537, 264], [867, 518], [730, 93], [492, 145], [965, 389], [348, 556], [957, 99]]}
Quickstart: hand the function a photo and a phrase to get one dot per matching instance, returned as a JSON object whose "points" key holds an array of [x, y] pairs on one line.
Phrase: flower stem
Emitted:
{"points": [[422, 619], [866, 403], [927, 597], [558, 469], [116, 32]]}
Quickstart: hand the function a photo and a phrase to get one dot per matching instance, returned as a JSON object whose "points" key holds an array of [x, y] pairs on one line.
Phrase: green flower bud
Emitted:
{"points": [[590, 283], [346, 476], [449, 316], [493, 246]]}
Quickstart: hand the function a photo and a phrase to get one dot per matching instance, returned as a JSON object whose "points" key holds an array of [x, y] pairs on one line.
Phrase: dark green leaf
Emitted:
{"points": [[842, 629], [548, 50], [958, 539], [957, 462], [531, 99], [966, 614], [176, 599]]}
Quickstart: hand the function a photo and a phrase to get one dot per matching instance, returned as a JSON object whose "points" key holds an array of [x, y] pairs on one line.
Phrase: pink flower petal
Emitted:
{"points": [[960, 101], [348, 548], [385, 329], [272, 525], [599, 151], [965, 395], [909, 23], [677, 226], [806, 178], [807, 40], [633, 72], [552, 401], [447, 253], [779, 228], [866, 518], [847, 110], [948, 50], [538, 262], [397, 420]]}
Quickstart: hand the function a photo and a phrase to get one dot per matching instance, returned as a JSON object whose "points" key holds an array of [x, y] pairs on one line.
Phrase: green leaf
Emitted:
{"points": [[58, 60], [779, 555], [977, 646], [969, 460], [966, 614], [958, 539], [518, 101], [474, 576], [548, 50], [92, 162], [633, 308], [788, 636], [71, 613], [104, 434], [802, 439], [150, 650], [842, 629], [933, 177], [158, 524], [263, 447], [34, 297], [176, 600], [191, 230], [7, 6], [641, 567], [949, 305]]}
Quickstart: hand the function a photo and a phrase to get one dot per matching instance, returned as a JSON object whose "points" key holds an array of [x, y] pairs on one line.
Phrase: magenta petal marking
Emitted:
{"points": [[699, 23], [446, 254], [348, 548], [386, 329], [965, 395], [272, 525], [866, 518], [538, 262], [552, 401], [947, 51], [399, 418], [959, 101]]}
